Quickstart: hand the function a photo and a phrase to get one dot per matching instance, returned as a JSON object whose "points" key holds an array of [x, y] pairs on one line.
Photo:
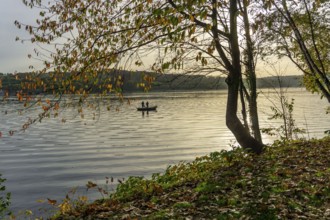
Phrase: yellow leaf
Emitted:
{"points": [[65, 207], [191, 18], [40, 201], [82, 198], [28, 212]]}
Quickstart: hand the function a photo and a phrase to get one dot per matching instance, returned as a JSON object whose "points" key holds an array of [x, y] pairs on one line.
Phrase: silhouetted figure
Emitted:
{"points": [[147, 104], [142, 103]]}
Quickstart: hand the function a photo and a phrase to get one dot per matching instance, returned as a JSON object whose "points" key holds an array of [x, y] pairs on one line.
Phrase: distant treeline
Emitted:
{"points": [[163, 82]]}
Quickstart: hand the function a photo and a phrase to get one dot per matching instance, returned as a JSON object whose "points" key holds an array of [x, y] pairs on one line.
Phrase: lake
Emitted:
{"points": [[52, 157]]}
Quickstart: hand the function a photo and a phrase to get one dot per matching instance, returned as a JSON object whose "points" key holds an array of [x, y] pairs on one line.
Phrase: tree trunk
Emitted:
{"points": [[242, 136], [251, 76], [244, 112], [254, 117]]}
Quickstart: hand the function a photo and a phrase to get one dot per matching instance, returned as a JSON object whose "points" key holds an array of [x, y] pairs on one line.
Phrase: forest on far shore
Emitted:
{"points": [[164, 82]]}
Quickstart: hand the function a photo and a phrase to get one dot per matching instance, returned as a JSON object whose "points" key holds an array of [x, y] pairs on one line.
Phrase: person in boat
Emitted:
{"points": [[142, 103], [147, 104]]}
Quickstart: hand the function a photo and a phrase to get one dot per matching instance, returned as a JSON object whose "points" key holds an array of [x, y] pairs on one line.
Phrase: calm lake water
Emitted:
{"points": [[50, 158]]}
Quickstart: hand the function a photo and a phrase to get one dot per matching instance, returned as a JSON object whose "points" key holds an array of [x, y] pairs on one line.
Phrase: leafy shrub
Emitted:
{"points": [[137, 187], [4, 199]]}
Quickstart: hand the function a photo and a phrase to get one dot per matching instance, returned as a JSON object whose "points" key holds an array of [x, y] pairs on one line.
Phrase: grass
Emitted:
{"points": [[288, 181]]}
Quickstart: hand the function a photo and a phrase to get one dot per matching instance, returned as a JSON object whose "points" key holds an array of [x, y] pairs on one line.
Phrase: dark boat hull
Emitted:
{"points": [[151, 108]]}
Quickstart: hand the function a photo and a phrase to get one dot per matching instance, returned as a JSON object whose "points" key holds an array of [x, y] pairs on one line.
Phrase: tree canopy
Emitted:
{"points": [[83, 40], [299, 30], [89, 37]]}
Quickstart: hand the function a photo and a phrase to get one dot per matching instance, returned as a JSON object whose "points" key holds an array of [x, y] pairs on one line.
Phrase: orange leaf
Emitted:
{"points": [[51, 201], [56, 106], [45, 108]]}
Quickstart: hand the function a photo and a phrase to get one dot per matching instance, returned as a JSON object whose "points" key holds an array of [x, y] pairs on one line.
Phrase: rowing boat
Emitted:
{"points": [[151, 108]]}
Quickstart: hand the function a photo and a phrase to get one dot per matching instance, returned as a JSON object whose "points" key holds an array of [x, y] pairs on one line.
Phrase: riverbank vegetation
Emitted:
{"points": [[289, 180]]}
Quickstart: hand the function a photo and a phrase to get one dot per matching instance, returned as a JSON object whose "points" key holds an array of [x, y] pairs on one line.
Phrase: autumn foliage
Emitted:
{"points": [[288, 181]]}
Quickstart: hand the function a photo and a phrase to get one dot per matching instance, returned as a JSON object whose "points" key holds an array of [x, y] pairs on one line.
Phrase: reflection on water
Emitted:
{"points": [[52, 157]]}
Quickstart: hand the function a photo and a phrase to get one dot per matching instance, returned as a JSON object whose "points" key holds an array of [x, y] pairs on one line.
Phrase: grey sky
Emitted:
{"points": [[13, 54]]}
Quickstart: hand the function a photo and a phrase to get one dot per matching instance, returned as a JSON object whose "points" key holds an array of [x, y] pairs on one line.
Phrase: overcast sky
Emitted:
{"points": [[13, 54]]}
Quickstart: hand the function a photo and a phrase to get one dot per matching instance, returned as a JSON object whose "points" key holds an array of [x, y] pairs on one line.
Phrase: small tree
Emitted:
{"points": [[282, 109], [288, 130]]}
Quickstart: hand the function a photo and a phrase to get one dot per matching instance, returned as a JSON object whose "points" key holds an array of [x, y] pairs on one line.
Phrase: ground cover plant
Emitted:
{"points": [[288, 181]]}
